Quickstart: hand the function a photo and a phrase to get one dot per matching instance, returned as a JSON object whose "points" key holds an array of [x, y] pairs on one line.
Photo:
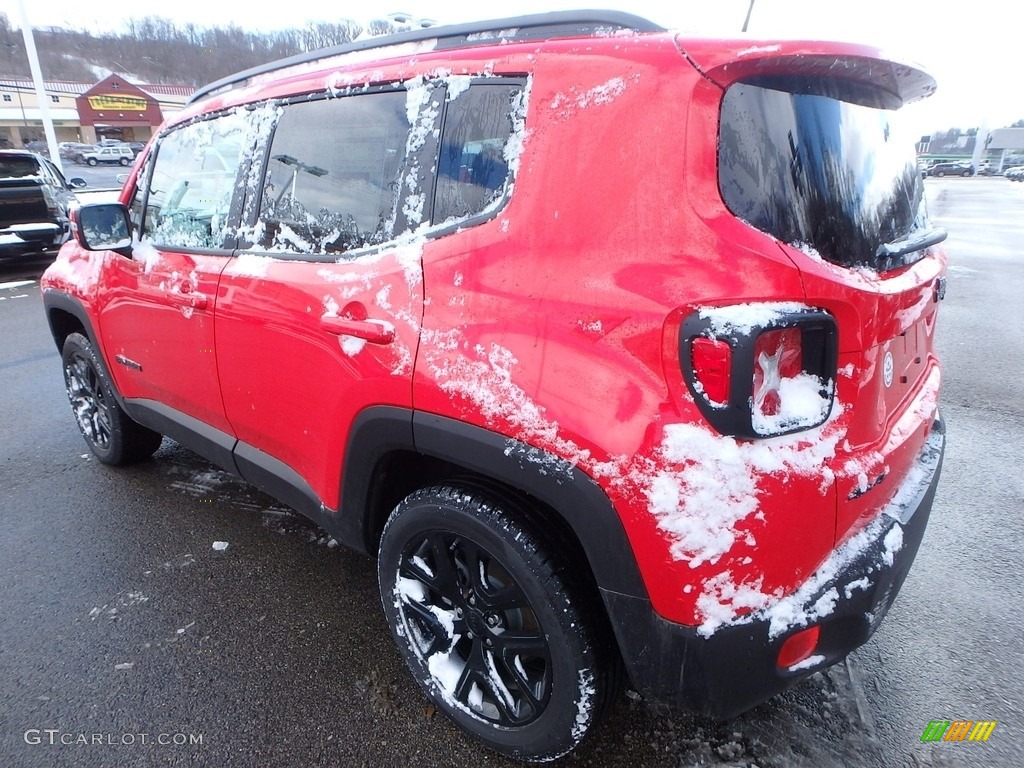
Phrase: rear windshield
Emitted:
{"points": [[820, 165], [17, 167]]}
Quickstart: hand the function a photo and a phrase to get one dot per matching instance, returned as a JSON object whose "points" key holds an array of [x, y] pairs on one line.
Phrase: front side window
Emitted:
{"points": [[473, 167], [333, 175], [193, 182], [822, 165]]}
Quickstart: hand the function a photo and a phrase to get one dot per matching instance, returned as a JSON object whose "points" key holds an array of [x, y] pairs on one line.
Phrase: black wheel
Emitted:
{"points": [[940, 173], [124, 161], [488, 626], [965, 174], [111, 435], [92, 161]]}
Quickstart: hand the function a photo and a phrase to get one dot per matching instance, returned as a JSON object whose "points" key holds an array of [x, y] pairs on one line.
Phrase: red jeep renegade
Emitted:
{"points": [[614, 347]]}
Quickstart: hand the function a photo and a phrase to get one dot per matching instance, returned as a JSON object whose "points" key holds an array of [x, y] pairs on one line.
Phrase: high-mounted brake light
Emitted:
{"points": [[761, 377]]}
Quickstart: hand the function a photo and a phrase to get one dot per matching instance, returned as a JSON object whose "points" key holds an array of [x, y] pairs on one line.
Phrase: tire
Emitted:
{"points": [[108, 431], [488, 626], [124, 161], [940, 174], [965, 174], [91, 161]]}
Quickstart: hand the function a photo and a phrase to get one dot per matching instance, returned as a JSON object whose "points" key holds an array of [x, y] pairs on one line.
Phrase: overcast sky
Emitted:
{"points": [[972, 48]]}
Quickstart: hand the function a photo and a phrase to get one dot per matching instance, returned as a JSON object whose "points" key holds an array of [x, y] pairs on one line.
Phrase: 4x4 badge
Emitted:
{"points": [[887, 367]]}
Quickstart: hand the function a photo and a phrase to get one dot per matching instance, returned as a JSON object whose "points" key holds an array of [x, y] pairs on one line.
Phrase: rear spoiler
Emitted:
{"points": [[729, 61]]}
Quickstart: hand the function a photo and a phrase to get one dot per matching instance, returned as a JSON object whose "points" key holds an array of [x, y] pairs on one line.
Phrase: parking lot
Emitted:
{"points": [[100, 177], [118, 617]]}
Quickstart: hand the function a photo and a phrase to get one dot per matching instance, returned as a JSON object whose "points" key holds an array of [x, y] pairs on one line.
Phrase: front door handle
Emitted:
{"points": [[185, 298], [373, 331]]}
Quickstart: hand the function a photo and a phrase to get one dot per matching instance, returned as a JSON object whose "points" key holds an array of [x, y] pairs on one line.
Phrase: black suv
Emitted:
{"points": [[34, 202]]}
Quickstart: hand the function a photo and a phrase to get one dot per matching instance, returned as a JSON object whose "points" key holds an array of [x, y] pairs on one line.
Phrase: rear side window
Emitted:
{"points": [[822, 166], [473, 166], [333, 175], [193, 183]]}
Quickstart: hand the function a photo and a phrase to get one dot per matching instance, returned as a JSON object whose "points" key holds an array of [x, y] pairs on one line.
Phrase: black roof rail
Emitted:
{"points": [[531, 27]]}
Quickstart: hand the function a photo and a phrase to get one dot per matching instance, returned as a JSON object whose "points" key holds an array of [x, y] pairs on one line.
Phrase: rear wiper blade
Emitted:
{"points": [[918, 241]]}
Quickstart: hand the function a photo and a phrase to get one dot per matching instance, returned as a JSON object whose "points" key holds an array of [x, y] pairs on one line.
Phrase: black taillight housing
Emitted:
{"points": [[763, 372]]}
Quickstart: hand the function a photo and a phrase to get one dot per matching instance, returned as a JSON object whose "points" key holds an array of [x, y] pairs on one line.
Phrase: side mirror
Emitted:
{"points": [[77, 182], [104, 227]]}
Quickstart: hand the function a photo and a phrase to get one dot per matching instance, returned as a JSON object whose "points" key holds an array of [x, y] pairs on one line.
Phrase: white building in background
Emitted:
{"points": [[113, 108], [1004, 147]]}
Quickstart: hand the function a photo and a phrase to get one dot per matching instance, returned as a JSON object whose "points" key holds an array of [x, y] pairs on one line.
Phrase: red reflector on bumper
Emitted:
{"points": [[798, 647]]}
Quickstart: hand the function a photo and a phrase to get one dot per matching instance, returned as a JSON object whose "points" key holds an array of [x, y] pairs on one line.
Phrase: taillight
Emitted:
{"points": [[51, 201], [761, 370], [776, 357], [712, 362]]}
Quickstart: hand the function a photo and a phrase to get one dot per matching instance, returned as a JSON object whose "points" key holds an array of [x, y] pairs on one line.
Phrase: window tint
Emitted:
{"points": [[472, 169], [18, 166], [193, 183], [820, 164], [333, 174], [59, 179]]}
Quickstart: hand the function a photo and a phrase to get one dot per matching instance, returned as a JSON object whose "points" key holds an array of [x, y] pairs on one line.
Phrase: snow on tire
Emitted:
{"points": [[487, 625], [109, 432]]}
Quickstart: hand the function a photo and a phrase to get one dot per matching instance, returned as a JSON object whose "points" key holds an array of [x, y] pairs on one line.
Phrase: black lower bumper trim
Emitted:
{"points": [[734, 668]]}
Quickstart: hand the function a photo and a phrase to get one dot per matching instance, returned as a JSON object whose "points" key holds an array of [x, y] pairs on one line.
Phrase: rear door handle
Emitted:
{"points": [[373, 331]]}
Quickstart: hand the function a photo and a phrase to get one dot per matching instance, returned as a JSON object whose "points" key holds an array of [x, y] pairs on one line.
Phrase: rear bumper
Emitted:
{"points": [[734, 668]]}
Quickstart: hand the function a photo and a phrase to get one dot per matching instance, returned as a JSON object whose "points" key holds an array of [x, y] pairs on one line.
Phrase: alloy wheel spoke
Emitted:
{"points": [[473, 672], [518, 674], [496, 688], [440, 639], [445, 579], [530, 644]]}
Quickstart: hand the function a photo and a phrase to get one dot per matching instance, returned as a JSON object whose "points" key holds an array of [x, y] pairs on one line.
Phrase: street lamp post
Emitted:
{"points": [[37, 79]]}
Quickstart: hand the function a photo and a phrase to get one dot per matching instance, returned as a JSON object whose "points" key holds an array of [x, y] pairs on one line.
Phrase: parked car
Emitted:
{"points": [[75, 151], [951, 169], [34, 202], [120, 154], [71, 150], [584, 428], [136, 147], [1015, 173], [38, 147]]}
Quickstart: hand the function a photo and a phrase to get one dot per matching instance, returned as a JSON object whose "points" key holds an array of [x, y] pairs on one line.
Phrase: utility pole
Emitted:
{"points": [[37, 79]]}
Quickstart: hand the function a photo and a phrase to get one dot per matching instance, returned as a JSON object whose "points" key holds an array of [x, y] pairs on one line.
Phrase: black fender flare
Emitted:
{"points": [[60, 300], [575, 496], [64, 302]]}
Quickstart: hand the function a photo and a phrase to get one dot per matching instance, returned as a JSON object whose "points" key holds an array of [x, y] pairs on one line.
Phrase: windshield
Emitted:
{"points": [[18, 166], [821, 165]]}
